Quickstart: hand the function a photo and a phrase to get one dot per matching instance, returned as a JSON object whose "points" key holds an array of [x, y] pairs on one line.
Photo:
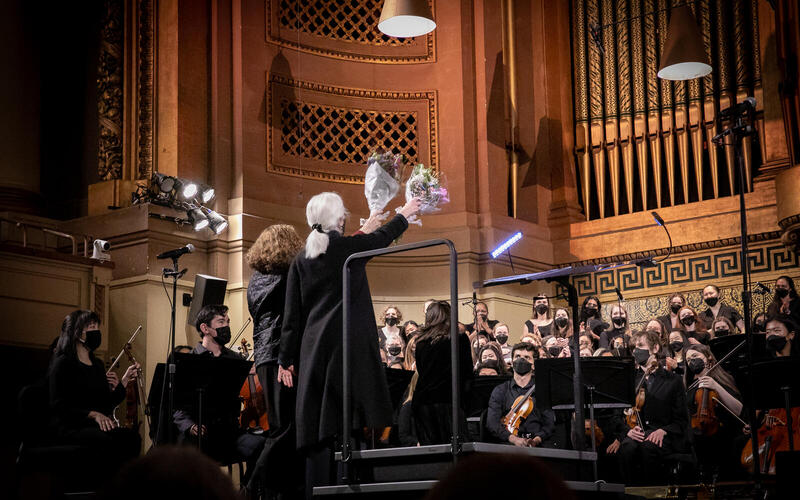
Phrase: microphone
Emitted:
{"points": [[473, 300], [619, 294], [763, 289], [658, 218], [174, 254], [748, 104]]}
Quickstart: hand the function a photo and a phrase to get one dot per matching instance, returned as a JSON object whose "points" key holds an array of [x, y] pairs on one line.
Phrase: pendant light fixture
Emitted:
{"points": [[406, 18], [684, 56]]}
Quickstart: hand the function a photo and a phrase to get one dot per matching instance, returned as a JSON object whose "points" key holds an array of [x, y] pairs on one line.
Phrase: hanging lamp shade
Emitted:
{"points": [[684, 56], [406, 18]]}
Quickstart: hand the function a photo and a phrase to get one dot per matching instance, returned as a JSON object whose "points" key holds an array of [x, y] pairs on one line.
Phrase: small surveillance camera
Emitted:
{"points": [[100, 250]]}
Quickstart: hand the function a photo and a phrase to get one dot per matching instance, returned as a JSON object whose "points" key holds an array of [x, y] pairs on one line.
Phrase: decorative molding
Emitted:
{"points": [[791, 233], [145, 50], [109, 92], [319, 131], [340, 30]]}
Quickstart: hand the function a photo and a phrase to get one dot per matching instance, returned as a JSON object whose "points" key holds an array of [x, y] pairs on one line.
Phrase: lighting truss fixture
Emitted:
{"points": [[506, 244], [216, 222], [197, 219], [183, 195]]}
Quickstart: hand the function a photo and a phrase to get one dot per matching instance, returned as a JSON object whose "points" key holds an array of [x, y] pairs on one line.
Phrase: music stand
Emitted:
{"points": [[398, 381], [477, 399], [778, 383], [609, 383], [721, 346], [208, 385]]}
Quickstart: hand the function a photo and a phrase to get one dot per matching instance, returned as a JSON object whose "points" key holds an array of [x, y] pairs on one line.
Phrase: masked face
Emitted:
{"points": [[688, 320], [781, 292], [696, 365], [92, 339], [711, 301], [561, 322], [641, 356], [554, 351], [618, 321], [759, 326], [521, 366], [541, 309], [223, 335], [394, 350], [482, 312], [390, 321], [502, 336], [722, 330], [676, 346], [776, 343], [675, 307]]}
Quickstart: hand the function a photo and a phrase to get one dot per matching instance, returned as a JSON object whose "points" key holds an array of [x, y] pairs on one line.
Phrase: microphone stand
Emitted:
{"points": [[739, 131], [175, 274]]}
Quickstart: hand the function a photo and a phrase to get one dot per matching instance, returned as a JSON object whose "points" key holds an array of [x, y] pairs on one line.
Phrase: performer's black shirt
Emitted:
{"points": [[725, 311], [665, 403], [76, 389], [491, 322], [434, 367], [540, 422]]}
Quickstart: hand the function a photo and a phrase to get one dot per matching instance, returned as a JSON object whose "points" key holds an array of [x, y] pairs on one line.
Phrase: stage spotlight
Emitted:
{"points": [[164, 183], [216, 222], [187, 189], [406, 18], [506, 245], [197, 218], [206, 193]]}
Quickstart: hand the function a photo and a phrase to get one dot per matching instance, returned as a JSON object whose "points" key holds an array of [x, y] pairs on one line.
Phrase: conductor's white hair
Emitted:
{"points": [[327, 210]]}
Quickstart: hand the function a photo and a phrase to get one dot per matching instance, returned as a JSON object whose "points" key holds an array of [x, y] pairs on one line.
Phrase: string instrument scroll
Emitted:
{"points": [[632, 415], [134, 392]]}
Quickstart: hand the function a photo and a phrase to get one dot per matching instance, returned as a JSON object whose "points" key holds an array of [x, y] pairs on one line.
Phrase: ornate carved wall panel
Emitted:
{"points": [[343, 29], [109, 92], [145, 50], [642, 142], [324, 132]]}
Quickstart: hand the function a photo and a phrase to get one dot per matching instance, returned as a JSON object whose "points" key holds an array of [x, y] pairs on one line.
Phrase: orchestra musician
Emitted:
{"points": [[662, 423], [535, 429], [715, 407], [222, 437], [83, 395]]}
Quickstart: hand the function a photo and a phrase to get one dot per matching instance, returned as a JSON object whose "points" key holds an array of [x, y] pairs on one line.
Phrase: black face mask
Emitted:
{"points": [[641, 356], [776, 343], [390, 321], [696, 365], [712, 301], [223, 335], [395, 350], [554, 351], [93, 339], [675, 308], [688, 320], [541, 309], [521, 366], [618, 322], [561, 322], [781, 292], [501, 338], [721, 331], [676, 346], [758, 327], [589, 312]]}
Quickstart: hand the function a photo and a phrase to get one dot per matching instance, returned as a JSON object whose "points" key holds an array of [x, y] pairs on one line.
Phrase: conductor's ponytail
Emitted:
{"points": [[324, 213]]}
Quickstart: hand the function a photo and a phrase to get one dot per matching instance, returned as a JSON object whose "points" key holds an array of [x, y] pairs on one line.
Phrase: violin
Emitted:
{"points": [[772, 438], [632, 416], [134, 393], [705, 419], [254, 408], [520, 410]]}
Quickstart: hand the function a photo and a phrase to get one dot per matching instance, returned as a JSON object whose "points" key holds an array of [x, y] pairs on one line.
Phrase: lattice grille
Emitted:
{"points": [[348, 20], [345, 135]]}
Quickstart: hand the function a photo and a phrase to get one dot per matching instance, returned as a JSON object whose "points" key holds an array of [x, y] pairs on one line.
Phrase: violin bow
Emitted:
{"points": [[718, 363], [124, 347]]}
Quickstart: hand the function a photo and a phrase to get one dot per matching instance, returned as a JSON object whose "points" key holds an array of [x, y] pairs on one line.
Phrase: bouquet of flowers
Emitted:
{"points": [[425, 184], [382, 179]]}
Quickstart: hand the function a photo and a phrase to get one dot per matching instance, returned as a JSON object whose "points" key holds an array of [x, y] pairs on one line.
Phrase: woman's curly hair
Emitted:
{"points": [[274, 249]]}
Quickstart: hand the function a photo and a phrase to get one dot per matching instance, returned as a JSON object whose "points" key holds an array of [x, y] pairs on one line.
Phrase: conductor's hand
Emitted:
{"points": [[113, 380], [636, 434], [411, 208], [105, 423], [193, 430], [374, 222], [132, 373], [286, 376]]}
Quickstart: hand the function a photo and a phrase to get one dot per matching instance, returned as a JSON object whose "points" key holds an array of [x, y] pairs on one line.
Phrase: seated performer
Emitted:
{"points": [[83, 396], [538, 427], [663, 420], [223, 439], [713, 436]]}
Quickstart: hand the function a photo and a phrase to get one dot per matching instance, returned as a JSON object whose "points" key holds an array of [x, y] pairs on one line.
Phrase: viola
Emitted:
{"points": [[134, 393], [254, 408], [772, 438], [520, 410]]}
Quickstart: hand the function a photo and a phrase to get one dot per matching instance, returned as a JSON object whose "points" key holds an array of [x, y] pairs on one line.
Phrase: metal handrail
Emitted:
{"points": [[456, 383], [44, 229]]}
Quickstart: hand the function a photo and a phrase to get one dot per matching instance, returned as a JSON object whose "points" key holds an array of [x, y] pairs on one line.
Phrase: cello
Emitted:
{"points": [[772, 438], [254, 408]]}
